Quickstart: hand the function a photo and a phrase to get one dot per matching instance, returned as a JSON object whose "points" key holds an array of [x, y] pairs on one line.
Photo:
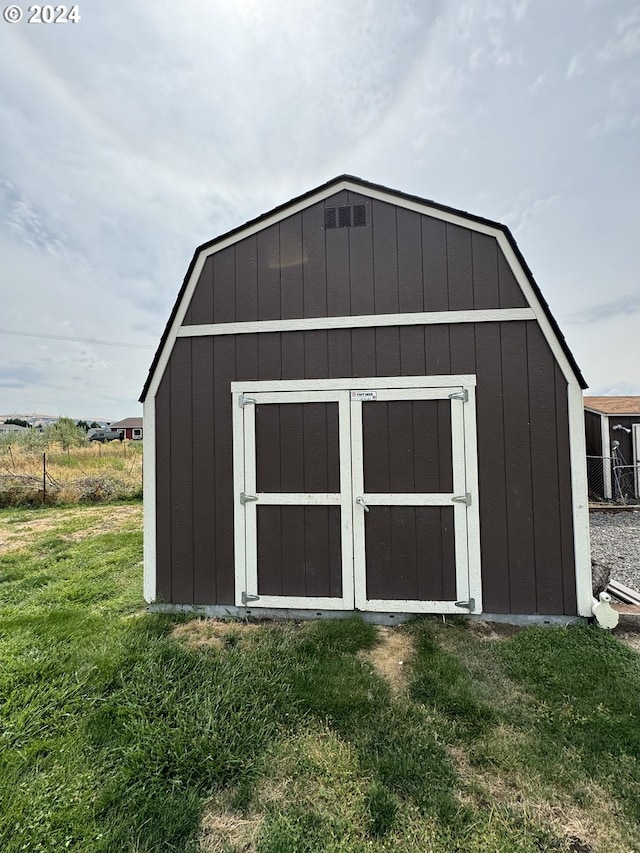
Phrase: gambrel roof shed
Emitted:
{"points": [[362, 401]]}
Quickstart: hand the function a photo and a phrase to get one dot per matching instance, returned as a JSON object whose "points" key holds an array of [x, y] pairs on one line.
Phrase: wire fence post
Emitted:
{"points": [[44, 478]]}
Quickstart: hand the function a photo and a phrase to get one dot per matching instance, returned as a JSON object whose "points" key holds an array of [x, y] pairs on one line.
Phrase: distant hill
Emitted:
{"points": [[36, 419]]}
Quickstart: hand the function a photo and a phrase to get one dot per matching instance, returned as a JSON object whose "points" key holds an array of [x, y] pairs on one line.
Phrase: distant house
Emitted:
{"points": [[12, 428], [612, 429], [132, 427]]}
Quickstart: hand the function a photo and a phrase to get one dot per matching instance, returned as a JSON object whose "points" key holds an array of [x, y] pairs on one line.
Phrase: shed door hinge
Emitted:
{"points": [[243, 400], [462, 499], [469, 605], [460, 395], [247, 598], [245, 499]]}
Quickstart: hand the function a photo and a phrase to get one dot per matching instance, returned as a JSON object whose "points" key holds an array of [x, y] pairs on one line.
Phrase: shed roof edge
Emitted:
{"points": [[336, 183]]}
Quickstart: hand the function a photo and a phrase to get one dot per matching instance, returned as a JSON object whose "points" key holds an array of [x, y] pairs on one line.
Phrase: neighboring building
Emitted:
{"points": [[612, 428], [361, 401], [132, 427]]}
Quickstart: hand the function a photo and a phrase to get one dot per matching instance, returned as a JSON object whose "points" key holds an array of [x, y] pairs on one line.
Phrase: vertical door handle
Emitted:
{"points": [[360, 500]]}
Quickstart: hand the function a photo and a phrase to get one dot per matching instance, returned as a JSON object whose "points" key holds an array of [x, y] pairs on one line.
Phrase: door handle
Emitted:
{"points": [[360, 500]]}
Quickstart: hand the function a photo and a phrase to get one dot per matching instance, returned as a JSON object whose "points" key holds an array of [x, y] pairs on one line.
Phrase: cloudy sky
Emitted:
{"points": [[149, 127]]}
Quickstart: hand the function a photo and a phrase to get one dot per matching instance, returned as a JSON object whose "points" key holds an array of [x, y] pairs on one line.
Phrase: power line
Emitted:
{"points": [[74, 340]]}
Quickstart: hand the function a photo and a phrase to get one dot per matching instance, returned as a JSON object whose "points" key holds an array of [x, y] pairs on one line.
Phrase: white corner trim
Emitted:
{"points": [[539, 313], [579, 495], [306, 324], [149, 498], [170, 341]]}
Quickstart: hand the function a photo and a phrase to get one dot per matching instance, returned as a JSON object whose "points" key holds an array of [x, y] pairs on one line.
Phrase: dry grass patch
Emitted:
{"points": [[591, 828], [213, 633], [314, 770], [90, 474], [392, 656], [225, 830], [15, 535], [119, 518]]}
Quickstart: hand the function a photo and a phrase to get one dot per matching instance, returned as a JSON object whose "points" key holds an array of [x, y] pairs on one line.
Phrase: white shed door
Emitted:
{"points": [[356, 499]]}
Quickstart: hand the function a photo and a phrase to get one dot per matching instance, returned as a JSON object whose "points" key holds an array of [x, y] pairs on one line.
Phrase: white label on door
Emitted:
{"points": [[364, 395]]}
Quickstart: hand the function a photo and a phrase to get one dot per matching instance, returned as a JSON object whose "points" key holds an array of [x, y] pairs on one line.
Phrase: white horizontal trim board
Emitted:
{"points": [[451, 383], [298, 498], [361, 321], [408, 499]]}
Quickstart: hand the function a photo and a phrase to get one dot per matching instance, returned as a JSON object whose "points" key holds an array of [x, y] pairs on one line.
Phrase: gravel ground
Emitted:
{"points": [[615, 541]]}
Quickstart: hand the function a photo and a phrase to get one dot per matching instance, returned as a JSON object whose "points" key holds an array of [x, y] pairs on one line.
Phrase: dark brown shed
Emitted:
{"points": [[361, 401]]}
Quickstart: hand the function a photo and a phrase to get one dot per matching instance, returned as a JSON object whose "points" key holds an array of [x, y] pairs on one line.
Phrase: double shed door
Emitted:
{"points": [[356, 498]]}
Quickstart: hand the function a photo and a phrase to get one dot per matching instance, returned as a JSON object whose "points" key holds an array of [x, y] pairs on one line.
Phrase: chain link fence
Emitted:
{"points": [[612, 482]]}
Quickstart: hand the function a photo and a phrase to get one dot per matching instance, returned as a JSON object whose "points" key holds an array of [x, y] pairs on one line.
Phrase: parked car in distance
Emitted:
{"points": [[103, 435]]}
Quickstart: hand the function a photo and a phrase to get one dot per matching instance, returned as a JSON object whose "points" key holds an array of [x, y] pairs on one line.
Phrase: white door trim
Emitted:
{"points": [[465, 480], [245, 515], [381, 382], [466, 518]]}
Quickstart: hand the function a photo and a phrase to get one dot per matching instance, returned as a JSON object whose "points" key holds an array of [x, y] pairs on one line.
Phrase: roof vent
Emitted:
{"points": [[359, 214], [345, 216], [329, 217]]}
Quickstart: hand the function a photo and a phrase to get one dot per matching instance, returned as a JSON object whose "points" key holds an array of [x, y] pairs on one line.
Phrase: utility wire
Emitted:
{"points": [[74, 340]]}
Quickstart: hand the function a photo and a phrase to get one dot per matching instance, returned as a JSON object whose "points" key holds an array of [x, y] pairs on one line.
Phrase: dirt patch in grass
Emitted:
{"points": [[212, 633], [391, 657], [20, 534], [628, 631], [492, 630], [117, 517]]}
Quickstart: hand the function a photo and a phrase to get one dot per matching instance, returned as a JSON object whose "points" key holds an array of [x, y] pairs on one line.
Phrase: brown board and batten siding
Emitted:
{"points": [[400, 262], [525, 510]]}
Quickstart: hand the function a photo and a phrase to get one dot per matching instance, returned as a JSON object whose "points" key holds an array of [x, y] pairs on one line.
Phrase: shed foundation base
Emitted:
{"points": [[220, 611]]}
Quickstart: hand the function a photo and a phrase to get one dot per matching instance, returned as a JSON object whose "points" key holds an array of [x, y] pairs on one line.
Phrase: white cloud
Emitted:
{"points": [[622, 306], [576, 67], [625, 43], [540, 82], [130, 139], [526, 210]]}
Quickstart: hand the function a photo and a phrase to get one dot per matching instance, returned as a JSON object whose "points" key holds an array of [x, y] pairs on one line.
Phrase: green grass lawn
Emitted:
{"points": [[127, 731]]}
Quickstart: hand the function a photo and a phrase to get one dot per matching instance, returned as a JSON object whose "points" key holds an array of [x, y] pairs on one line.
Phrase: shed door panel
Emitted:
{"points": [[407, 446], [297, 515], [297, 447], [299, 551], [410, 526], [410, 553]]}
